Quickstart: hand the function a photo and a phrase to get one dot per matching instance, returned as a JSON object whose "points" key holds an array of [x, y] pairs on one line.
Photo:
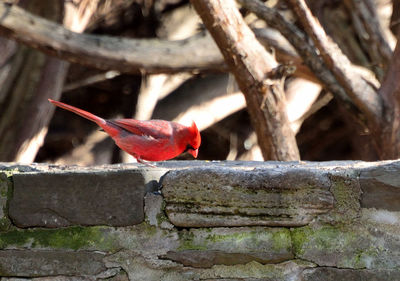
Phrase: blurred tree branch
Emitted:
{"points": [[371, 34], [362, 94], [390, 92], [194, 54], [31, 79], [35, 78]]}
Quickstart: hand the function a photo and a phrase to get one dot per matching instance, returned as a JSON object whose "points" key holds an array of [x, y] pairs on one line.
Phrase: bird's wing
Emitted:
{"points": [[157, 129]]}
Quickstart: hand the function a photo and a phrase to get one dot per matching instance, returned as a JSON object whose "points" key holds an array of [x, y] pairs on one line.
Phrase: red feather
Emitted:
{"points": [[153, 140]]}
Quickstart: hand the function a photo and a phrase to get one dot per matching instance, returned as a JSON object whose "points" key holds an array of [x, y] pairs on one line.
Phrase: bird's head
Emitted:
{"points": [[194, 140]]}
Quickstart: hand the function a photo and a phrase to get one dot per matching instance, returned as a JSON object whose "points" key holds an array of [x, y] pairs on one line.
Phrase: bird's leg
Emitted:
{"points": [[145, 162]]}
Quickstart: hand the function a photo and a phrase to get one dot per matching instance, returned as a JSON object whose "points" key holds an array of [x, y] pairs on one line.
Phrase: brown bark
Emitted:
{"points": [[395, 19], [250, 64], [390, 92]]}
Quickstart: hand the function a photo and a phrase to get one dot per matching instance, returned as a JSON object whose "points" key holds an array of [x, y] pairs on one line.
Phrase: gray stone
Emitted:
{"points": [[335, 274], [346, 191], [5, 191], [77, 198], [61, 278], [140, 268], [206, 258], [207, 247], [210, 197], [22, 263], [381, 187], [153, 209], [358, 245]]}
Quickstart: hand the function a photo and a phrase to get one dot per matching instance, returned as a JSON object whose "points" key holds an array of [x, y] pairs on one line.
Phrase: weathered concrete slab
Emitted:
{"points": [[77, 198], [22, 263], [209, 197]]}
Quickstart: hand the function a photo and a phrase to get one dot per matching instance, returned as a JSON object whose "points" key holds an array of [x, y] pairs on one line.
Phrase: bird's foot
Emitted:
{"points": [[145, 163]]}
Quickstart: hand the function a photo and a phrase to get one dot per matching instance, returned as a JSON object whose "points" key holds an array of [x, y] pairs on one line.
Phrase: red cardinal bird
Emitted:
{"points": [[153, 140]]}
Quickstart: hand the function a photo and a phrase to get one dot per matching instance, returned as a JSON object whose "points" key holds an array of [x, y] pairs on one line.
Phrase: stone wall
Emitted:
{"points": [[201, 221]]}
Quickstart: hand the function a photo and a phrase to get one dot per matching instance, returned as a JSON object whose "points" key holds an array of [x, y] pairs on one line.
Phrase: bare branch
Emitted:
{"points": [[250, 64], [390, 92], [360, 92], [105, 52], [296, 37], [371, 33], [90, 80], [195, 54]]}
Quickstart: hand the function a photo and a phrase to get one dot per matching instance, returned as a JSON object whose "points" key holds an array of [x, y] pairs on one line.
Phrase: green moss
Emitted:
{"points": [[347, 246], [326, 238], [74, 238], [281, 240], [149, 230], [246, 271], [300, 237], [188, 242], [237, 237], [261, 239], [346, 192], [161, 216]]}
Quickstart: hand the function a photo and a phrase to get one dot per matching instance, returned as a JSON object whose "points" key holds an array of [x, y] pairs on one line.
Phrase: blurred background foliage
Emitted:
{"points": [[211, 98]]}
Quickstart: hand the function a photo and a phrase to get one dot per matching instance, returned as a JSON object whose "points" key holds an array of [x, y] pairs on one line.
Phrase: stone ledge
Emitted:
{"points": [[334, 221]]}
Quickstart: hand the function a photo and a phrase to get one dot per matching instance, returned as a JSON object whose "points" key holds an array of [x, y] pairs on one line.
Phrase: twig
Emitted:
{"points": [[91, 80]]}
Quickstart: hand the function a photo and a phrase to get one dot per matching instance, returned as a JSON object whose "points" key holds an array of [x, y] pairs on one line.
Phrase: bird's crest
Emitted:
{"points": [[196, 135]]}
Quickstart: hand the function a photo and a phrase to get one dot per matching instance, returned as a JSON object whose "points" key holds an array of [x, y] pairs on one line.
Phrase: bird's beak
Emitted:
{"points": [[194, 152]]}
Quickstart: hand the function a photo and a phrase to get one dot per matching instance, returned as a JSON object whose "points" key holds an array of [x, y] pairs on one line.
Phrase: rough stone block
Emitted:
{"points": [[381, 187], [218, 196], [229, 246], [5, 192], [358, 245], [77, 198], [22, 263]]}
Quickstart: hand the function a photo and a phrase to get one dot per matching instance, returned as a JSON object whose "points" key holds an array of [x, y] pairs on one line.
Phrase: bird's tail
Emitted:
{"points": [[98, 120]]}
